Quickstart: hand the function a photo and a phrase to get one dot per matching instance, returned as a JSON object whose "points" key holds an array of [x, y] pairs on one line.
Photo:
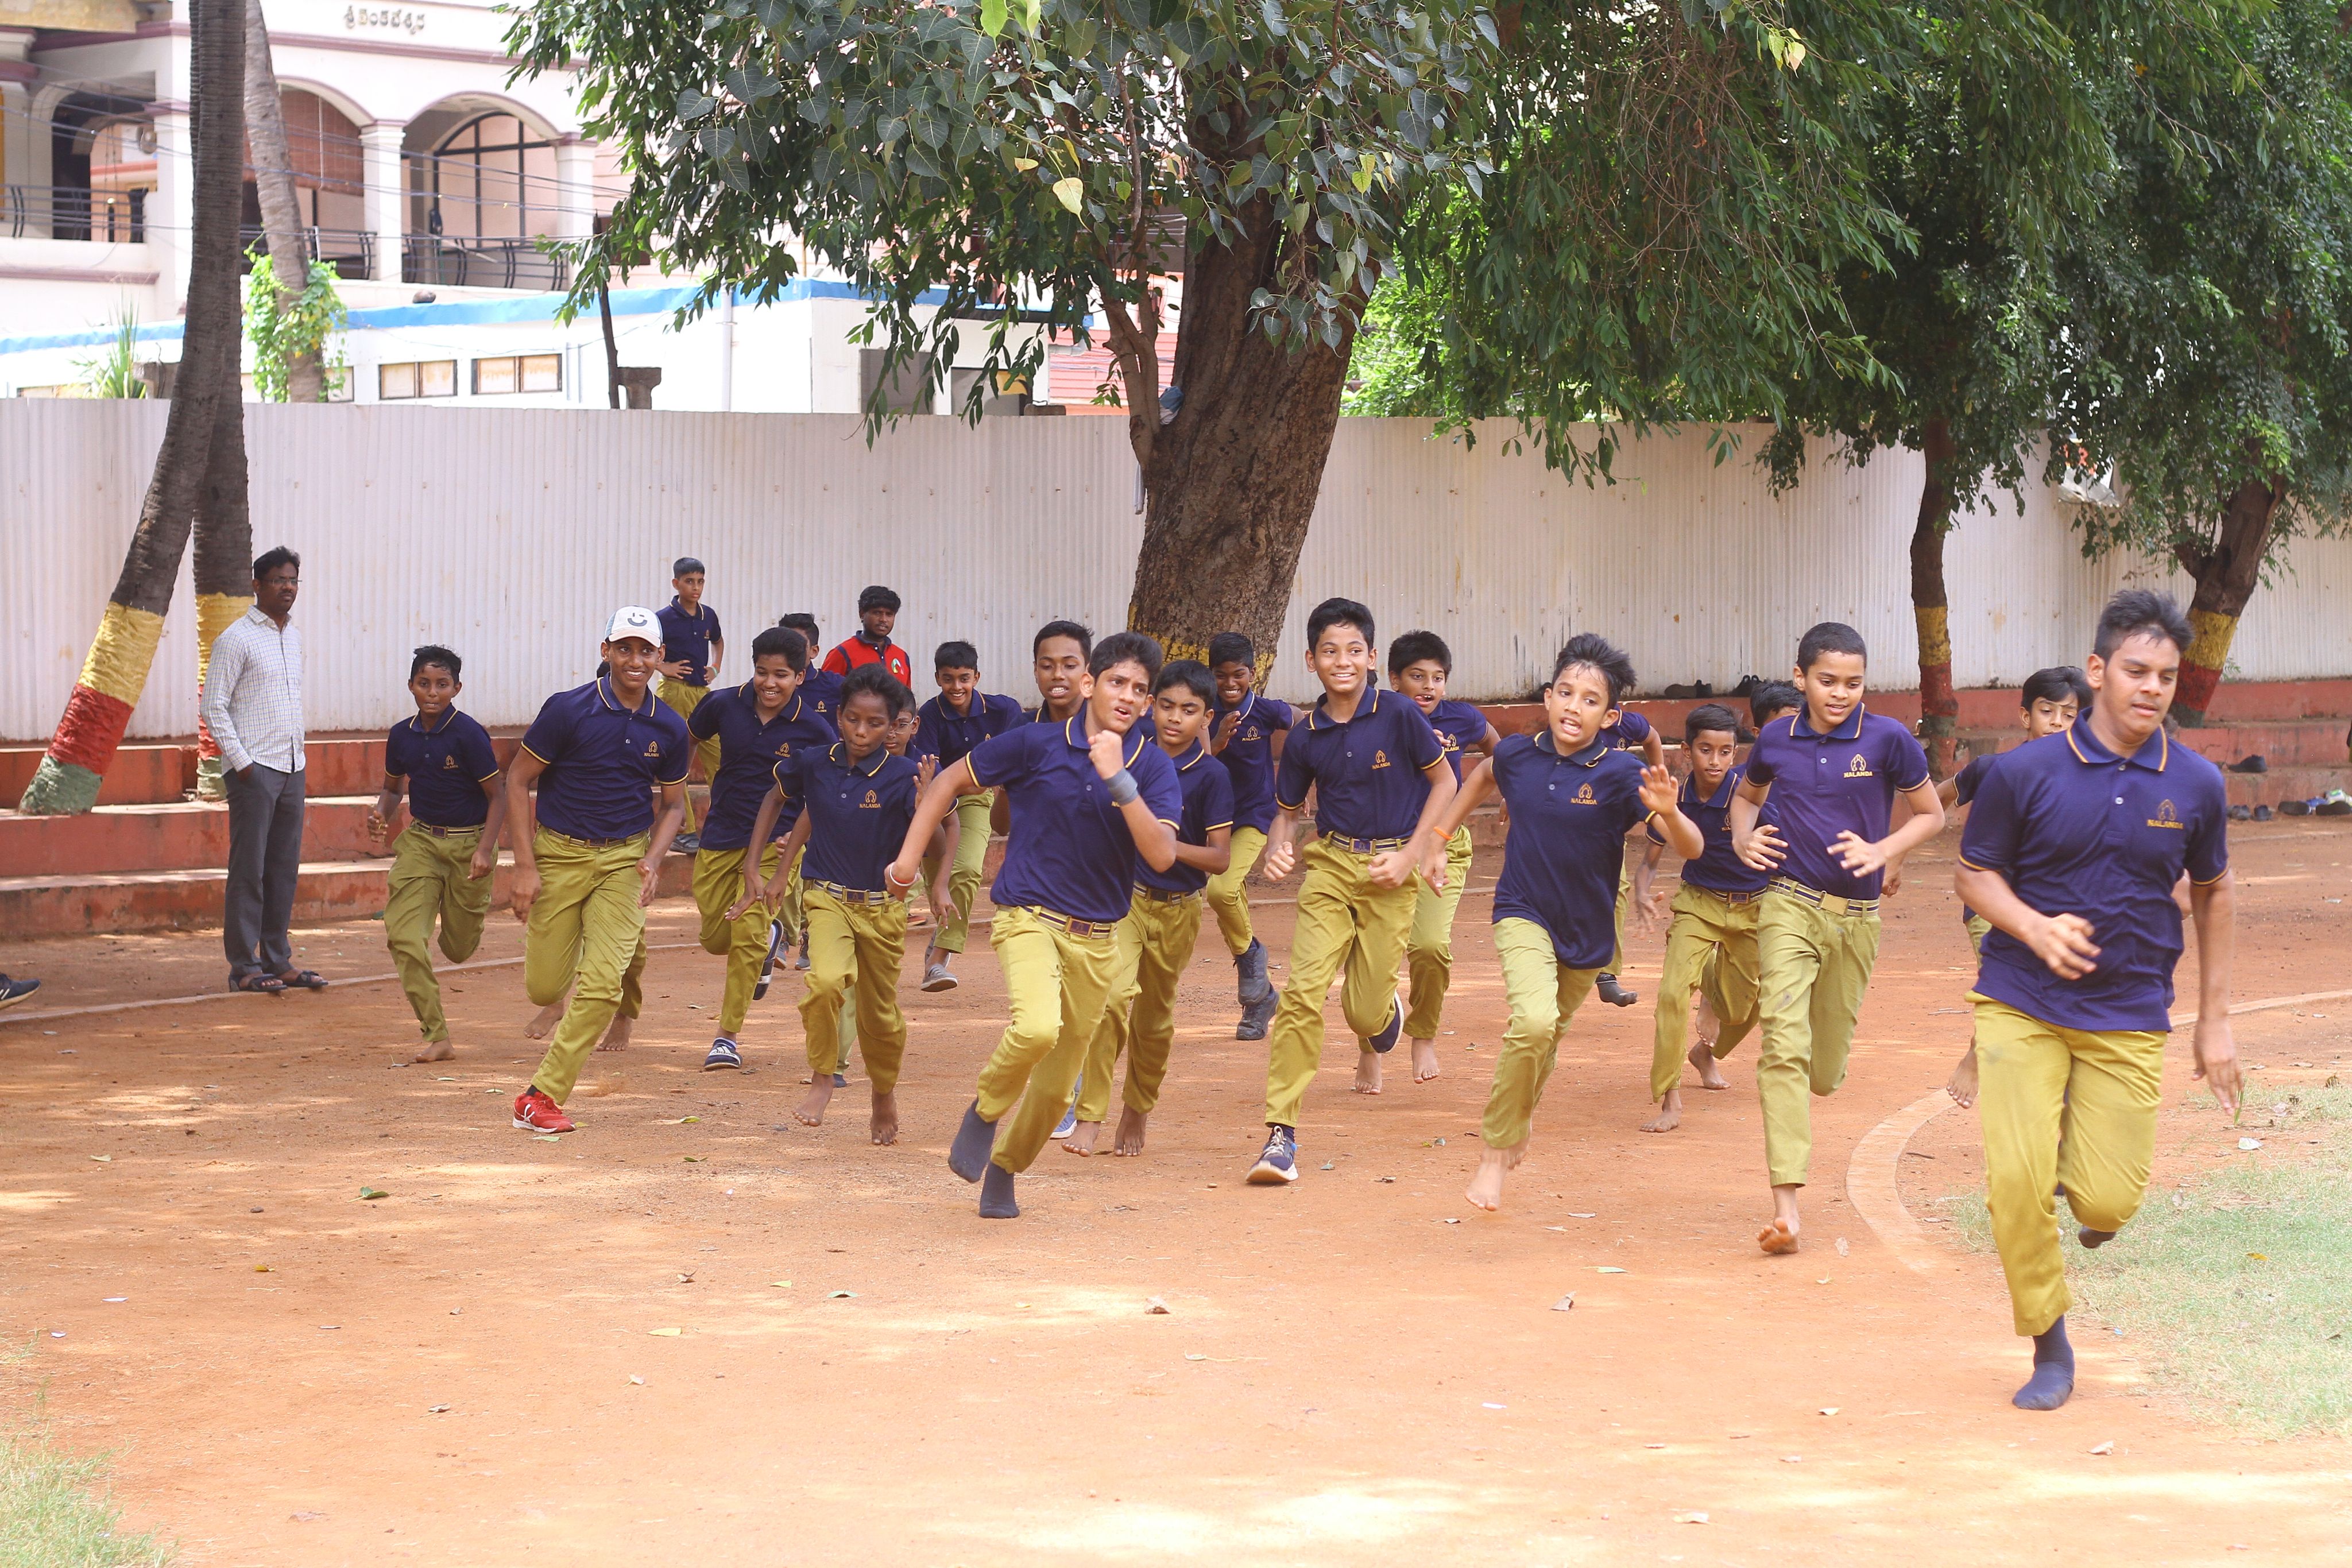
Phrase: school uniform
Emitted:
{"points": [[942, 733], [1155, 944], [859, 811], [1067, 883], [689, 636], [1248, 758], [450, 768], [1429, 946], [2070, 1071], [1711, 938], [595, 817], [821, 689], [1370, 787], [1570, 816], [1965, 785], [1632, 732], [1817, 927], [749, 751]]}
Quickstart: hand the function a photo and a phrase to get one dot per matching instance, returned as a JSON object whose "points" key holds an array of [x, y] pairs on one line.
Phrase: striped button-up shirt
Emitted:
{"points": [[253, 694]]}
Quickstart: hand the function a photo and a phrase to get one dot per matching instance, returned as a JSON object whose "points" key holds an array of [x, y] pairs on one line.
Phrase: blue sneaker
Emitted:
{"points": [[1279, 1163], [1385, 1042], [768, 964], [1070, 1122], [722, 1054]]}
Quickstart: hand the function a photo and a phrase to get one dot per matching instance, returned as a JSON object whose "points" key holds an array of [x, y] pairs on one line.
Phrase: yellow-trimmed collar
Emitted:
{"points": [[1077, 740], [1804, 716], [790, 710], [2080, 736], [448, 716], [1184, 763], [611, 698], [838, 752], [1587, 756], [1722, 795], [1371, 705]]}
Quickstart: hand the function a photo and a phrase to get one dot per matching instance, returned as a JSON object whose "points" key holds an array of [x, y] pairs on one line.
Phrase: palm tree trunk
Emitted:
{"points": [[273, 182], [223, 569], [123, 651]]}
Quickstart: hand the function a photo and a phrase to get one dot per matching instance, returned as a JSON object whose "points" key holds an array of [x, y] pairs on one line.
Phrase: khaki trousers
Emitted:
{"points": [[431, 878], [1710, 948], [1056, 987], [1544, 994], [1343, 919]]}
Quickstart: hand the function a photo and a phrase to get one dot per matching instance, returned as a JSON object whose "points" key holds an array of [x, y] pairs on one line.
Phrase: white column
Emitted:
{"points": [[575, 176], [17, 79], [388, 194], [171, 212]]}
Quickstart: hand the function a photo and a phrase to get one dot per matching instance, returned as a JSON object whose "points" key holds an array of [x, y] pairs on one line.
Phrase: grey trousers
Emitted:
{"points": [[265, 855]]}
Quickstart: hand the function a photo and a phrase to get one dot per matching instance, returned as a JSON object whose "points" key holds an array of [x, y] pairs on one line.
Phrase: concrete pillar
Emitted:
{"points": [[575, 176], [388, 194], [18, 77]]}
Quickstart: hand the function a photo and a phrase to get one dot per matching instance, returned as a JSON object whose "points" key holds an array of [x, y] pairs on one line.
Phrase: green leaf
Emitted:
{"points": [[991, 17], [1071, 192], [693, 104]]}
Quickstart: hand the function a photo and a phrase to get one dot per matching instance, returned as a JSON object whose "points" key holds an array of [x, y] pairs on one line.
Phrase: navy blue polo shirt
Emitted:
{"points": [[748, 753], [1823, 785], [1460, 727], [1630, 733], [689, 637], [1570, 816], [448, 768], [604, 761], [859, 811], [1248, 756], [2075, 829], [949, 735], [1970, 779], [1208, 791], [822, 690], [1069, 850], [1717, 868], [1366, 773]]}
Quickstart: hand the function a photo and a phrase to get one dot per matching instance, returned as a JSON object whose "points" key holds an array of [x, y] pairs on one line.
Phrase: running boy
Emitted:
{"points": [[1155, 940], [756, 725], [1419, 666], [949, 727], [854, 800], [1246, 733], [1840, 768], [692, 646], [1058, 655], [1711, 940], [1572, 797], [878, 613], [1088, 797], [2072, 852], [442, 861], [1382, 785], [589, 864]]}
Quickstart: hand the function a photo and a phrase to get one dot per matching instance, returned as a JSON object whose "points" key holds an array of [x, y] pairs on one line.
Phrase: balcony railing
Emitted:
{"points": [[465, 263], [350, 252], [76, 212]]}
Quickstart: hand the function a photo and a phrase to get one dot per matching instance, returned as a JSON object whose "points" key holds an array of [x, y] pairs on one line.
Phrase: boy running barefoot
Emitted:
{"points": [[2072, 850], [442, 861], [756, 725], [1831, 771], [588, 850], [1088, 797], [1419, 666], [1572, 798], [1711, 941], [949, 727], [1155, 940], [1246, 734], [855, 799], [1381, 784], [2048, 704], [692, 647]]}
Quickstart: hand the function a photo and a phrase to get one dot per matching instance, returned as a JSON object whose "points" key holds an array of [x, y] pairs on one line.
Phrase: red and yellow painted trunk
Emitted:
{"points": [[215, 612], [2201, 666], [98, 713], [1940, 704]]}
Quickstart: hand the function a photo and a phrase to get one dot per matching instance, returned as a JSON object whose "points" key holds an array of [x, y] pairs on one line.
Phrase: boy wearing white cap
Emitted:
{"points": [[585, 870]]}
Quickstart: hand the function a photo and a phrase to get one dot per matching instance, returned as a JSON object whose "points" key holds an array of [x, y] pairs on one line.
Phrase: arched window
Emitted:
{"points": [[493, 178]]}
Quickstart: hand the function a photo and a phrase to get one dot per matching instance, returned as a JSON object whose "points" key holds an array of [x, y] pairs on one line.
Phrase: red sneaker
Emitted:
{"points": [[535, 1113]]}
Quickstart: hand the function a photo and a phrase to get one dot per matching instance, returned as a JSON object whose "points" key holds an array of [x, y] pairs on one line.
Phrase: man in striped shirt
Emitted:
{"points": [[252, 703]]}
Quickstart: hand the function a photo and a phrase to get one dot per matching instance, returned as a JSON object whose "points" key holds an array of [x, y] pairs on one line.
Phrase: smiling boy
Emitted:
{"points": [[1246, 734], [946, 730], [877, 617]]}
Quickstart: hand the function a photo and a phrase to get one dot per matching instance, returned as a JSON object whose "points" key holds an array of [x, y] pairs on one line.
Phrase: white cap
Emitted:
{"points": [[634, 620]]}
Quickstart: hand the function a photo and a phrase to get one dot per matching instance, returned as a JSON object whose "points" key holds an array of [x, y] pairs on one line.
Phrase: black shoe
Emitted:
{"points": [[1385, 1042], [768, 964], [1257, 1016], [2256, 763], [1747, 687], [2262, 813], [14, 992], [2242, 813], [1615, 995], [1249, 967], [2333, 807], [686, 844], [2093, 1241], [2294, 807]]}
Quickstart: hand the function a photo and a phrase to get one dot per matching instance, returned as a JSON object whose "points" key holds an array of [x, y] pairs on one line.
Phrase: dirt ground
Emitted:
{"points": [[517, 1355]]}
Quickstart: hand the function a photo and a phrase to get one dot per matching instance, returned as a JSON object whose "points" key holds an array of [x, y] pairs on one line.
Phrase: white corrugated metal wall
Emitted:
{"points": [[512, 534]]}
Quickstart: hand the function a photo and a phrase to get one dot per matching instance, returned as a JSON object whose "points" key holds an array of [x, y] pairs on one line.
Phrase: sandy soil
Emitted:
{"points": [[1360, 1368]]}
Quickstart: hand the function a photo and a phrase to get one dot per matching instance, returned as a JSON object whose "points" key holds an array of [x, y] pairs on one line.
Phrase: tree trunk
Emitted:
{"points": [[1232, 482], [224, 567], [1939, 704], [273, 182], [123, 651], [2226, 577]]}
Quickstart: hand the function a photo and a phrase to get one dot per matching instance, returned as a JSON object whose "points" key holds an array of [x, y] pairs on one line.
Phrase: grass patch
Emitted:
{"points": [[54, 1513], [2238, 1286]]}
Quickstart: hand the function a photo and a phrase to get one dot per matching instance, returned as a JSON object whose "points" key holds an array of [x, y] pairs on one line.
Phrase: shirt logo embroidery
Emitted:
{"points": [[1252, 734], [450, 760], [2165, 818], [653, 748], [871, 802], [1583, 795], [1379, 759], [1859, 766]]}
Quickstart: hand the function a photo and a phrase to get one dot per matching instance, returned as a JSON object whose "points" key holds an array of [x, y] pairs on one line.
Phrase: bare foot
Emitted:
{"points": [[437, 1050], [1702, 1057], [1367, 1072], [1487, 1187], [1962, 1087], [1425, 1061], [1670, 1113], [617, 1032], [1781, 1236], [1082, 1137], [1130, 1131], [885, 1125], [810, 1112], [1706, 1026], [542, 1026]]}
